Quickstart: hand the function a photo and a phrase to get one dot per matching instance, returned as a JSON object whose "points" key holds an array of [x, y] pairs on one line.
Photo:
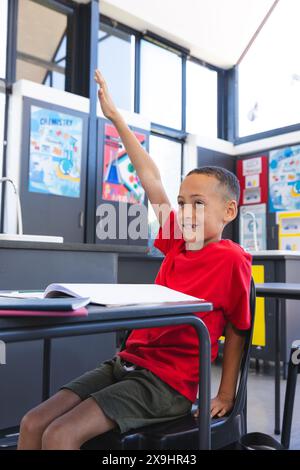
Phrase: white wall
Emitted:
{"points": [[217, 31], [261, 145]]}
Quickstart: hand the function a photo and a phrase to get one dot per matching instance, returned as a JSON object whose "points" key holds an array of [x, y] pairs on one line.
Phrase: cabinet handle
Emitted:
{"points": [[81, 219]]}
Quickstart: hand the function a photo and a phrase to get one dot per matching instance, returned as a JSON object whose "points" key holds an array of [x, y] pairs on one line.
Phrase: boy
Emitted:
{"points": [[155, 378]]}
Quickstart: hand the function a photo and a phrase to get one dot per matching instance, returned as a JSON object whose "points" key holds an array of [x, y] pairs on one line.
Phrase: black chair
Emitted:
{"points": [[182, 433]]}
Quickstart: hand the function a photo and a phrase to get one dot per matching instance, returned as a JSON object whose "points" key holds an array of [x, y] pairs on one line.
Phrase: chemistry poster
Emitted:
{"points": [[284, 179], [55, 152], [120, 180]]}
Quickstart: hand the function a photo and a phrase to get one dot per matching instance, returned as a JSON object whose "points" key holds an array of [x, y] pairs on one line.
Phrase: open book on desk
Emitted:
{"points": [[111, 295]]}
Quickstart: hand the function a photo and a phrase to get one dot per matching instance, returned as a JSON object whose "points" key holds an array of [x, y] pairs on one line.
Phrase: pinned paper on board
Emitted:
{"points": [[291, 243], [252, 166], [289, 230], [252, 196], [252, 181], [247, 227]]}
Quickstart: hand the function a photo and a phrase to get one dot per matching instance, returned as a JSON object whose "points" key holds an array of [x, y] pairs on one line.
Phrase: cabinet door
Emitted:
{"points": [[71, 357], [21, 380], [117, 189], [53, 170]]}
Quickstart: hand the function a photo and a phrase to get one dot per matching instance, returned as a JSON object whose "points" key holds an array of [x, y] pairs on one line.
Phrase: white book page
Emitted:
{"points": [[121, 294]]}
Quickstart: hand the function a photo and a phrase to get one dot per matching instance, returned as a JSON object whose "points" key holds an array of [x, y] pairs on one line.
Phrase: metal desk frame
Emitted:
{"points": [[280, 291], [107, 319]]}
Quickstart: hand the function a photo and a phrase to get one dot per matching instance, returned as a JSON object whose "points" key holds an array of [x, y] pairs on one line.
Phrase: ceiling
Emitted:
{"points": [[216, 31]]}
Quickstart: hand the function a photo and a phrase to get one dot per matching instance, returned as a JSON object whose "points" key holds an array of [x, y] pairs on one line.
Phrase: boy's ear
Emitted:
{"points": [[231, 211]]}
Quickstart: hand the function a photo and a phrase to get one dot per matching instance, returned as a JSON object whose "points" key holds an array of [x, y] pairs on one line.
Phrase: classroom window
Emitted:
{"points": [[269, 74], [41, 44], [56, 79], [116, 62], [201, 100], [3, 37], [161, 79], [167, 156]]}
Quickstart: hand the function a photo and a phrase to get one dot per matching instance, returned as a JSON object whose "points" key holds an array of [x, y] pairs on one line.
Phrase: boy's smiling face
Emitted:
{"points": [[205, 207]]}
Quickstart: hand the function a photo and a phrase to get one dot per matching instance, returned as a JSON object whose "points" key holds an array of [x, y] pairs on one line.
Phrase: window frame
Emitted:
{"points": [[221, 73], [157, 128], [49, 73]]}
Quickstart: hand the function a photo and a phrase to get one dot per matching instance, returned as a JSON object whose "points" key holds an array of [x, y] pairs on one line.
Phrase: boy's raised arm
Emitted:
{"points": [[144, 165]]}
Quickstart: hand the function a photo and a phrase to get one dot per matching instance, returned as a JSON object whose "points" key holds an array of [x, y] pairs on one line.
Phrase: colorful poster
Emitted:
{"points": [[55, 152], [120, 180], [248, 215], [284, 179]]}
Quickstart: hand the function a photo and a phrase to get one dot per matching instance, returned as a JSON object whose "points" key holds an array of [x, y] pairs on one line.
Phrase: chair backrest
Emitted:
{"points": [[240, 399]]}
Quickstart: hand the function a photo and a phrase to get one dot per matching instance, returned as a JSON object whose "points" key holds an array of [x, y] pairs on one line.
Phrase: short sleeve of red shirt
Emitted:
{"points": [[237, 310], [169, 234]]}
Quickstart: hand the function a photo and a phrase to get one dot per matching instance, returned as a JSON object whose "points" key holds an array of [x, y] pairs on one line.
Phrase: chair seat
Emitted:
{"points": [[181, 433]]}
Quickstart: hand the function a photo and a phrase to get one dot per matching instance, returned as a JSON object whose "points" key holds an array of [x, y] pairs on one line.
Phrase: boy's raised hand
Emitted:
{"points": [[144, 165], [107, 105]]}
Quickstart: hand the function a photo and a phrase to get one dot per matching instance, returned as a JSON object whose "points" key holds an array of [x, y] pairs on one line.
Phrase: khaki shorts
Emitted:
{"points": [[131, 398]]}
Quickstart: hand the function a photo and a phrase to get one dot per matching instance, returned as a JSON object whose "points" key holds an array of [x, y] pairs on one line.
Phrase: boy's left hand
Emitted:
{"points": [[219, 406]]}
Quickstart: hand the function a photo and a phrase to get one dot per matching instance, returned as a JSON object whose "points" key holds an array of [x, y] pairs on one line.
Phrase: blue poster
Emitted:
{"points": [[55, 152], [284, 179]]}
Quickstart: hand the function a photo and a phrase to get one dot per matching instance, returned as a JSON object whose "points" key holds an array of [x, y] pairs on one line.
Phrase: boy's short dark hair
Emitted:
{"points": [[226, 178]]}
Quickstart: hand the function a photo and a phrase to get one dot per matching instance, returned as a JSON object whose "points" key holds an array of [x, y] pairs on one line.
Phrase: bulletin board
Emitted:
{"points": [[253, 177]]}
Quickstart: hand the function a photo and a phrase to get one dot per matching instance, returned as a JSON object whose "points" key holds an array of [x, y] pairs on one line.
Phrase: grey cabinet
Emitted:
{"points": [[21, 380], [71, 357]]}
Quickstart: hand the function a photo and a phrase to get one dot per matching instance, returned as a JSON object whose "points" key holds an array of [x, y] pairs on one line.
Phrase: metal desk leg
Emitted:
{"points": [[277, 365], [290, 396], [46, 368]]}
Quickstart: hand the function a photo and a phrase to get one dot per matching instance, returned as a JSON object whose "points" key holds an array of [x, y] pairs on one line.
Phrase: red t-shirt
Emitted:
{"points": [[220, 273]]}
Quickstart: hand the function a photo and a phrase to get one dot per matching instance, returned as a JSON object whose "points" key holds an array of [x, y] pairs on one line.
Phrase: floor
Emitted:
{"points": [[261, 401]]}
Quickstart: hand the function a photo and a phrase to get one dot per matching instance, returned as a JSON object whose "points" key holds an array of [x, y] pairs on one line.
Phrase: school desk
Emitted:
{"points": [[280, 291], [106, 319]]}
